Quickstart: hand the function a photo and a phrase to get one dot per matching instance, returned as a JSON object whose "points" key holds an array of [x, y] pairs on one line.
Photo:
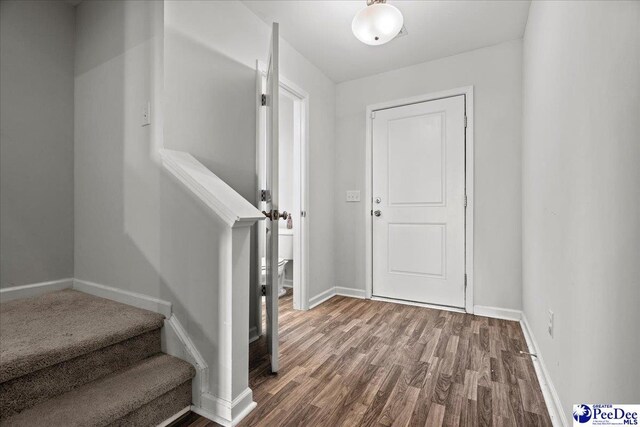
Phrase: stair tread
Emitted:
{"points": [[42, 331], [110, 398]]}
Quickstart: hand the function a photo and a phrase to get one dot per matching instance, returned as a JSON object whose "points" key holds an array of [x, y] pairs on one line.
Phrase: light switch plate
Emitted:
{"points": [[353, 196]]}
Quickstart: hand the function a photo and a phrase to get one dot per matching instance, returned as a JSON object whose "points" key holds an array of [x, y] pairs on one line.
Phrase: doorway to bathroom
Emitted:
{"points": [[292, 165]]}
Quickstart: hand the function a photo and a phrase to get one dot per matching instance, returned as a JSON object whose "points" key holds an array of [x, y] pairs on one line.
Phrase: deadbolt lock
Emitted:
{"points": [[378, 200]]}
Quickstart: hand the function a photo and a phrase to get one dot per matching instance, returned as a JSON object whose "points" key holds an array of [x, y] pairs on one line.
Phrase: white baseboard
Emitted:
{"points": [[126, 297], [322, 297], [350, 292], [25, 291], [224, 412], [253, 334], [551, 398], [336, 290], [497, 312]]}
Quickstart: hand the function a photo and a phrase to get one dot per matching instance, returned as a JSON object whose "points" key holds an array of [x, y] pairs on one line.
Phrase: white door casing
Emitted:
{"points": [[418, 190]]}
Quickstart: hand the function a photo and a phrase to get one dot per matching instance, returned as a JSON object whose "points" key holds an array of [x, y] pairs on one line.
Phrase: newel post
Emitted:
{"points": [[234, 392]]}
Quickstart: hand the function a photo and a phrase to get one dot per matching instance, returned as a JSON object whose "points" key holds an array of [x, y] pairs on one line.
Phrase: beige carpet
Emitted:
{"points": [[42, 331], [73, 359], [104, 401]]}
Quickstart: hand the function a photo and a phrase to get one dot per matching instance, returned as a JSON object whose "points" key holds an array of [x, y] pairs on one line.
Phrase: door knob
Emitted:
{"points": [[274, 215], [377, 213]]}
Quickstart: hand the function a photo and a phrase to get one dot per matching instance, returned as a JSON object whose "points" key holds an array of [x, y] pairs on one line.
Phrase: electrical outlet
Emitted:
{"points": [[146, 115], [550, 323], [353, 196]]}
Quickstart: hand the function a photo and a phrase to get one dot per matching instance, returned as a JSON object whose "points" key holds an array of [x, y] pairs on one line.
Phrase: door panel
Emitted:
{"points": [[418, 179], [417, 249], [416, 156], [271, 252]]}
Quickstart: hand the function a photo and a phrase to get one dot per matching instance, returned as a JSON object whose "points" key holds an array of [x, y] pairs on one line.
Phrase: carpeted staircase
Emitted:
{"points": [[71, 359]]}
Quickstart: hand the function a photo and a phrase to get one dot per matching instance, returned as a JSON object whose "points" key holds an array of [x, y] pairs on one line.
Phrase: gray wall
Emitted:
{"points": [[36, 141], [135, 228], [581, 196], [496, 74]]}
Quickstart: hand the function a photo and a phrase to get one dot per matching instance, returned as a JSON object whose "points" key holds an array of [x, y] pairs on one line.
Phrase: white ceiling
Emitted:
{"points": [[321, 31]]}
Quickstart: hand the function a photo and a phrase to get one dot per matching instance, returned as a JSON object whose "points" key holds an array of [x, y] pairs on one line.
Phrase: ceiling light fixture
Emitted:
{"points": [[378, 23]]}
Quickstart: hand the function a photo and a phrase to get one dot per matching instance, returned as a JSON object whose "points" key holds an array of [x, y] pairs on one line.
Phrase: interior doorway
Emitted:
{"points": [[293, 107]]}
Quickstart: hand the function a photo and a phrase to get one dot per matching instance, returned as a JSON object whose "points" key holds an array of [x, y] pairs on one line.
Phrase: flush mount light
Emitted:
{"points": [[378, 23]]}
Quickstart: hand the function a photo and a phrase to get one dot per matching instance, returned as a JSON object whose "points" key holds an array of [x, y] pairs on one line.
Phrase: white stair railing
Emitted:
{"points": [[233, 394]]}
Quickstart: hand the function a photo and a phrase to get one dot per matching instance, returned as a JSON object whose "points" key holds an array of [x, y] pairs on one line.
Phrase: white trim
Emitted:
{"points": [[126, 297], [24, 291], [419, 304], [350, 292], [223, 200], [222, 411], [332, 292], [253, 334], [551, 398], [176, 342], [174, 417], [469, 162], [322, 297], [497, 312]]}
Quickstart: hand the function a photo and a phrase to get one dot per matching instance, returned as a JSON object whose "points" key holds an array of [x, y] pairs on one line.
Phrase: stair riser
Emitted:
{"points": [[28, 390], [159, 409]]}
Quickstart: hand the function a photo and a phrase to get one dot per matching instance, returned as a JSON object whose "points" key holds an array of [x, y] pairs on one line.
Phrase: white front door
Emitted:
{"points": [[419, 202]]}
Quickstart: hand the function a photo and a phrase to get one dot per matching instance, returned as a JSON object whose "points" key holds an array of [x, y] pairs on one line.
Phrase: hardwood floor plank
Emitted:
{"points": [[404, 414], [436, 415], [453, 406], [380, 400], [471, 385], [485, 413]]}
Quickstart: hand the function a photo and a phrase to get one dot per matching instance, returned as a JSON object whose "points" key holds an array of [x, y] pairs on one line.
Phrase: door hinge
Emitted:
{"points": [[263, 290], [465, 283], [465, 121], [373, 114], [263, 195], [465, 200], [263, 100]]}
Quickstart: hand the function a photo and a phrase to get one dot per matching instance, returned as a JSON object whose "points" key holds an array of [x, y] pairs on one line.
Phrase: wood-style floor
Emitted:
{"points": [[353, 362]]}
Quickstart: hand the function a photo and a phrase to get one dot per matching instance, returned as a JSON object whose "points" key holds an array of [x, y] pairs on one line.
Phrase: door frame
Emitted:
{"points": [[467, 92], [301, 192]]}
